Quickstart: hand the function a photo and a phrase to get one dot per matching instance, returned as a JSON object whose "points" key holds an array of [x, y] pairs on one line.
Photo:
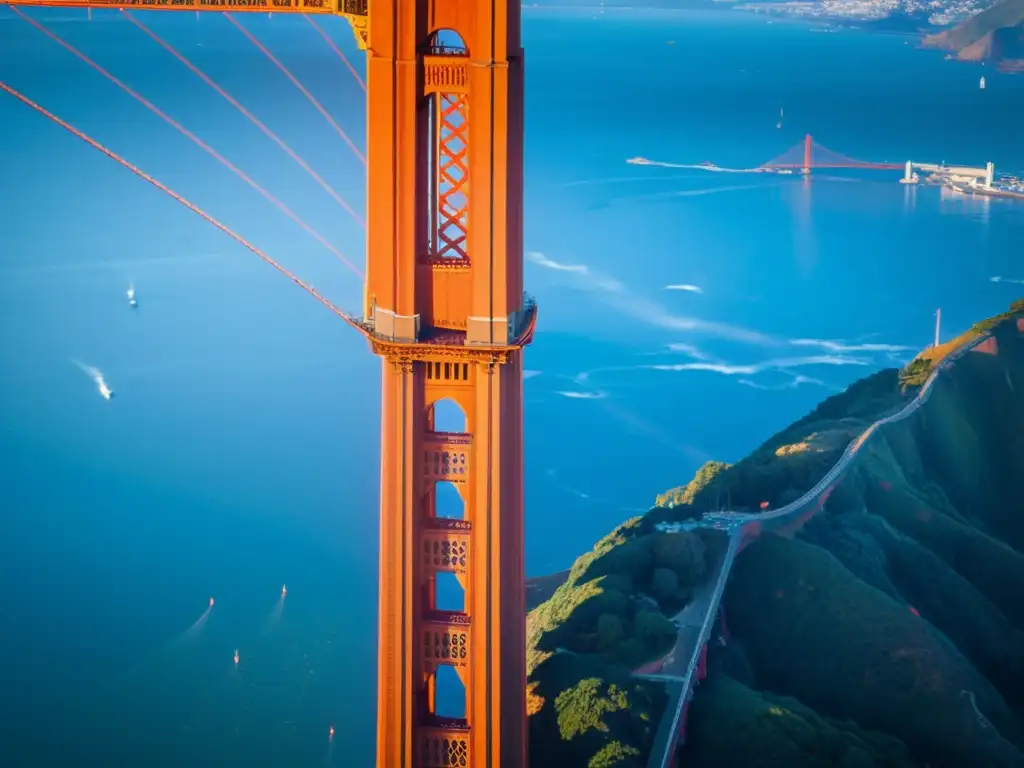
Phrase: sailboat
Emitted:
{"points": [[981, 83], [131, 296], [781, 115]]}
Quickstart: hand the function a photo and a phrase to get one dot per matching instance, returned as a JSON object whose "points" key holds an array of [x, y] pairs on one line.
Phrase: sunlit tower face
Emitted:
{"points": [[445, 309]]}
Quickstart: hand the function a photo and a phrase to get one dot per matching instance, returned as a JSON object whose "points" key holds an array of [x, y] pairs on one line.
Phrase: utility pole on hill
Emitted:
{"points": [[938, 322]]}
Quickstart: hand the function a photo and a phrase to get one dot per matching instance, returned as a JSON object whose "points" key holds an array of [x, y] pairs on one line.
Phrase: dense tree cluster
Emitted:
{"points": [[615, 604], [611, 615], [593, 714]]}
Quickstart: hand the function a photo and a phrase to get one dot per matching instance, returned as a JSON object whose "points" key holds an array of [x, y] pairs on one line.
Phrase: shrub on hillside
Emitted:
{"points": [[653, 627], [664, 584], [683, 553], [609, 631]]}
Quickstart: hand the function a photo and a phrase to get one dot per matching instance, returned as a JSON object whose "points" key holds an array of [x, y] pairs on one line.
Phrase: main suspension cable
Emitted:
{"points": [[255, 120], [195, 139], [191, 206]]}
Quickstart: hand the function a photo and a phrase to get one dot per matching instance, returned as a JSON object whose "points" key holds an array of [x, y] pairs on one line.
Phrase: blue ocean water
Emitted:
{"points": [[240, 450]]}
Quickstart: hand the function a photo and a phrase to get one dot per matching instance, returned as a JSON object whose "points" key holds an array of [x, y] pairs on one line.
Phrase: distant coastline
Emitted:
{"points": [[922, 21]]}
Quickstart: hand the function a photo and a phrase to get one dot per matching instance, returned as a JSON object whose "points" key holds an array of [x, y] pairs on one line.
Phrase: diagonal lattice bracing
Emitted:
{"points": [[452, 177]]}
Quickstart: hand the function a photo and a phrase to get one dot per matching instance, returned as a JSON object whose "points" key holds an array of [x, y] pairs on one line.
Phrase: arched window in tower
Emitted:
{"points": [[448, 134], [446, 42], [446, 415]]}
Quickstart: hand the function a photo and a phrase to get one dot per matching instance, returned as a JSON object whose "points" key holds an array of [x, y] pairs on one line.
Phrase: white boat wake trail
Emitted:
{"points": [[712, 168], [97, 376]]}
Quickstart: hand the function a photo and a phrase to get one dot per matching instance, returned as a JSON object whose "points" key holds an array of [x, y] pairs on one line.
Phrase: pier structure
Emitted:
{"points": [[959, 173], [909, 176]]}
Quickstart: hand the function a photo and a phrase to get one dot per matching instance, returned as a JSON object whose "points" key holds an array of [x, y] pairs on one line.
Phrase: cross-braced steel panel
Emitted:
{"points": [[452, 194]]}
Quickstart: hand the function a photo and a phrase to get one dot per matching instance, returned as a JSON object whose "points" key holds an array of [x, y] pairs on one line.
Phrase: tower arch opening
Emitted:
{"points": [[448, 502], [446, 415], [446, 42], [450, 695]]}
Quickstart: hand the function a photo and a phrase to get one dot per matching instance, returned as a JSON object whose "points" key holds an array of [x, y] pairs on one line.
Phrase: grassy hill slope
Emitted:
{"points": [[894, 623], [901, 607]]}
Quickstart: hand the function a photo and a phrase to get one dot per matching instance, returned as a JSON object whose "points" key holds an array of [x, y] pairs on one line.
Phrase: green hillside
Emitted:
{"points": [[894, 622]]}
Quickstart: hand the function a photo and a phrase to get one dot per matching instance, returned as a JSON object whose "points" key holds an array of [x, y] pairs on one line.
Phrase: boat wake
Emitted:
{"points": [[693, 167], [97, 376]]}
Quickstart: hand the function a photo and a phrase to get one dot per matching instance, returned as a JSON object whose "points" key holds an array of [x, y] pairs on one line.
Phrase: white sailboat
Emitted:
{"points": [[131, 296]]}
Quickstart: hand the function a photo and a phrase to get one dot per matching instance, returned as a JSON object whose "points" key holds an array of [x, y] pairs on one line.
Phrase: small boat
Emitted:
{"points": [[981, 83], [781, 115], [284, 590], [236, 656], [131, 296]]}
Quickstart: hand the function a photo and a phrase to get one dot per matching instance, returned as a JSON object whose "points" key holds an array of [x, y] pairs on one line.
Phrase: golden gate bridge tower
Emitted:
{"points": [[445, 310]]}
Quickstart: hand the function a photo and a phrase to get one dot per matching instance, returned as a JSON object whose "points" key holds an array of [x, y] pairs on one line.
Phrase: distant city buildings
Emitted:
{"points": [[938, 12]]}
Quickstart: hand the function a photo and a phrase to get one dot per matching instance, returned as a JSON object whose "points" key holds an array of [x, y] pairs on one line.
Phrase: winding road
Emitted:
{"points": [[684, 664]]}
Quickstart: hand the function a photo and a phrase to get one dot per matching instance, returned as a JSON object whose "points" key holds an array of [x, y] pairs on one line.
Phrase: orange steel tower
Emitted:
{"points": [[444, 308]]}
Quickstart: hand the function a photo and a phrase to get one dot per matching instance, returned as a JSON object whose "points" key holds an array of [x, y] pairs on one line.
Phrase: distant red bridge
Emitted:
{"points": [[808, 155]]}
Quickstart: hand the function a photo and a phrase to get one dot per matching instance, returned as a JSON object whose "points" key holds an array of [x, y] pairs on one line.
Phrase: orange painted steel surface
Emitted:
{"points": [[445, 309]]}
